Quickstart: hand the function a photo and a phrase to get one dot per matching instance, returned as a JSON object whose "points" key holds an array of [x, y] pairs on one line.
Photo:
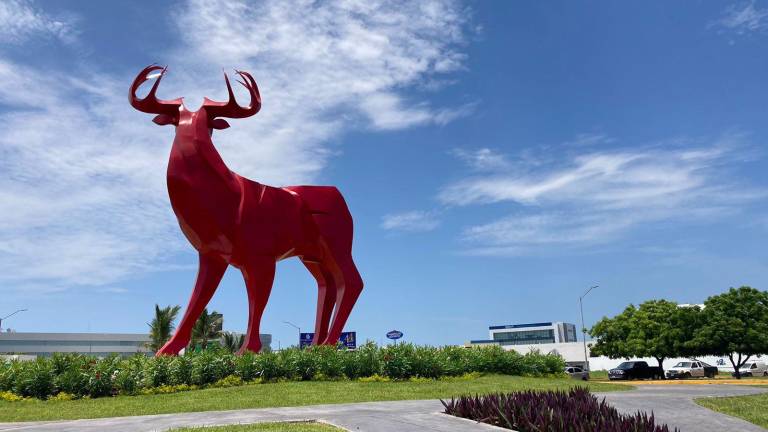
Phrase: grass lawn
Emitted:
{"points": [[266, 427], [752, 408], [278, 395]]}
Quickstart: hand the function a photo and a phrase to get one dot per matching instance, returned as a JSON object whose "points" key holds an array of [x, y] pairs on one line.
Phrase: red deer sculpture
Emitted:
{"points": [[232, 220]]}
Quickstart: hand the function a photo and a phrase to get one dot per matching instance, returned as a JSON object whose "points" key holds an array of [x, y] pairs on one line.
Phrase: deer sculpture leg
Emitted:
{"points": [[347, 293], [326, 298], [259, 273], [210, 271]]}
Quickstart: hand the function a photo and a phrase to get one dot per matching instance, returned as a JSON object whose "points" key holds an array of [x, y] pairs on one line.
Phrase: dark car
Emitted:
{"points": [[631, 370]]}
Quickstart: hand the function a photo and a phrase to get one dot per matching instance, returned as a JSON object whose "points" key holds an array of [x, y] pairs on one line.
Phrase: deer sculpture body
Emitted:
{"points": [[232, 220]]}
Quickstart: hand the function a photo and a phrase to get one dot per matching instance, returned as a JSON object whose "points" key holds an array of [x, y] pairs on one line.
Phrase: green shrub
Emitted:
{"points": [[247, 366], [158, 371], [298, 364], [73, 381], [7, 375], [455, 360], [125, 381], [428, 362], [84, 376], [398, 360], [180, 370], [210, 366], [34, 378], [329, 361], [101, 376], [270, 366]]}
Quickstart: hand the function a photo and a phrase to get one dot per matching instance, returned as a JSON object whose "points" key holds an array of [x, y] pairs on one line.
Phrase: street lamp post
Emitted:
{"points": [[584, 329], [296, 327], [8, 316]]}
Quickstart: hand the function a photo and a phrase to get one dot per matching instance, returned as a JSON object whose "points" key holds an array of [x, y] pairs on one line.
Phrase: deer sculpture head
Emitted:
{"points": [[205, 119]]}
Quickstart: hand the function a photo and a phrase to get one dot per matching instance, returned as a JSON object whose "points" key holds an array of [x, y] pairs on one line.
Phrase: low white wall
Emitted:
{"points": [[22, 357], [573, 352]]}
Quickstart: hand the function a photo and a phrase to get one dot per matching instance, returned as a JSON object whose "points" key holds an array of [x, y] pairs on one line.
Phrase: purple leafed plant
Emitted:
{"points": [[576, 410]]}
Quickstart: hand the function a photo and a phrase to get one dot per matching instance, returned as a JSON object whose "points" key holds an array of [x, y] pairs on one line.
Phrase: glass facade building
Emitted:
{"points": [[530, 334]]}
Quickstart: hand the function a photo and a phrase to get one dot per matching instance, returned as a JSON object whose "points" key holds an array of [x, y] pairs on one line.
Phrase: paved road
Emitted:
{"points": [[401, 416], [672, 404]]}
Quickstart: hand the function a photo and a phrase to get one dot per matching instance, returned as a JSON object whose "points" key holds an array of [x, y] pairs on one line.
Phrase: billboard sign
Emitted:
{"points": [[348, 339]]}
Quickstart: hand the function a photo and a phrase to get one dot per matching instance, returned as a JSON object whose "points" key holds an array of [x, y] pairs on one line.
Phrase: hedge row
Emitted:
{"points": [[81, 375]]}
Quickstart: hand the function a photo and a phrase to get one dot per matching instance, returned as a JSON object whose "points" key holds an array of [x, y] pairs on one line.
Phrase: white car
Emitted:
{"points": [[691, 369], [754, 368]]}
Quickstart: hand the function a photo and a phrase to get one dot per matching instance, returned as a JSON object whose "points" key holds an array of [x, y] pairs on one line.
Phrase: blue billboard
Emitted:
{"points": [[348, 339]]}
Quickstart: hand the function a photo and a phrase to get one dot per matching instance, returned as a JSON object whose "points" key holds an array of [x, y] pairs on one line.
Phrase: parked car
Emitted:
{"points": [[753, 368], [691, 369], [576, 372], [630, 370]]}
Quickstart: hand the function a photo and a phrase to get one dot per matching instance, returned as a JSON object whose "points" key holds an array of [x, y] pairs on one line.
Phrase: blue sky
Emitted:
{"points": [[498, 157]]}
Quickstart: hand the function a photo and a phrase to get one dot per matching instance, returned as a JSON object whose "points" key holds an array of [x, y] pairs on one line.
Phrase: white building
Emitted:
{"points": [[96, 344], [529, 334]]}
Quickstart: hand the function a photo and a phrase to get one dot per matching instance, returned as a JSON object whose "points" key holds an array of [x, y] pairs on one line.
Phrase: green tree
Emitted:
{"points": [[232, 341], [734, 324], [162, 326], [657, 328], [207, 327], [611, 335]]}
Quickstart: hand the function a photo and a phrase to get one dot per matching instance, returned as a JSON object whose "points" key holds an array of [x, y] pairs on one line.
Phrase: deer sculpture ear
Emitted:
{"points": [[219, 124], [164, 119]]}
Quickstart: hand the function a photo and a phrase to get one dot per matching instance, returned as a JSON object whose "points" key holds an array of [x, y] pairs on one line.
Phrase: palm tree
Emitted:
{"points": [[232, 341], [207, 327], [162, 326]]}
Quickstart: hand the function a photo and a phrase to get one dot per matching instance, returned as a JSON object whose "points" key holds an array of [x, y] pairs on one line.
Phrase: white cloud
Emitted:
{"points": [[83, 200], [743, 18], [412, 221], [483, 159], [597, 197], [20, 20]]}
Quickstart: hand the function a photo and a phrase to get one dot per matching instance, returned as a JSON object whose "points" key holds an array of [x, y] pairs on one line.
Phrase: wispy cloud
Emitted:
{"points": [[483, 159], [82, 175], [598, 196], [743, 18], [21, 20], [412, 221]]}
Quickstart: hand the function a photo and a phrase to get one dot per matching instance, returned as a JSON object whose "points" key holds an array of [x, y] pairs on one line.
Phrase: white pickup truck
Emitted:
{"points": [[691, 369]]}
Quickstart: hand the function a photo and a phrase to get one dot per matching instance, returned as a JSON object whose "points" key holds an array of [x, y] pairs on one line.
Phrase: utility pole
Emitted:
{"points": [[584, 329], [8, 316], [297, 328]]}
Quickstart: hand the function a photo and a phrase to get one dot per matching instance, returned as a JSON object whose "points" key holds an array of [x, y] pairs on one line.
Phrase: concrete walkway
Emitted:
{"points": [[674, 405], [671, 404], [400, 416]]}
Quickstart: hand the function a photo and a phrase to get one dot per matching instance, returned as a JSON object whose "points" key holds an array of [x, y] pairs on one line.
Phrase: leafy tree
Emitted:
{"points": [[657, 328], [206, 328], [232, 341], [162, 326], [612, 335], [734, 324]]}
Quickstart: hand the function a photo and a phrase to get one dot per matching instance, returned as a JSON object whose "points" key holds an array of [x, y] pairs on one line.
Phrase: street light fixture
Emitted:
{"points": [[8, 316], [584, 329], [296, 327]]}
